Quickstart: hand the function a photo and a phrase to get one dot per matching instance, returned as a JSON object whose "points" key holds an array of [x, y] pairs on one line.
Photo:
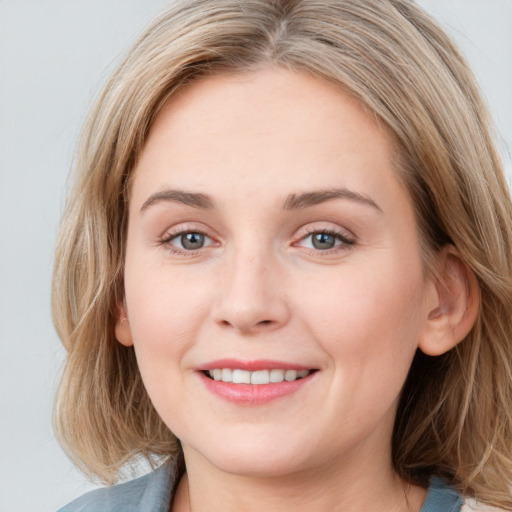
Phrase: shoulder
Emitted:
{"points": [[441, 498], [149, 493], [472, 506]]}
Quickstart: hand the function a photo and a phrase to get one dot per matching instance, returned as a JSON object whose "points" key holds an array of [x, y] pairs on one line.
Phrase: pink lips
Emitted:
{"points": [[252, 394]]}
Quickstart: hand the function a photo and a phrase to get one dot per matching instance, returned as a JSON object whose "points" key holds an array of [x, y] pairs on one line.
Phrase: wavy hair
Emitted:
{"points": [[455, 414]]}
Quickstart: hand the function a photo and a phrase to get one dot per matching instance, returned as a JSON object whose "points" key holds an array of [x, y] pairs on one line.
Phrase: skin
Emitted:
{"points": [[260, 289]]}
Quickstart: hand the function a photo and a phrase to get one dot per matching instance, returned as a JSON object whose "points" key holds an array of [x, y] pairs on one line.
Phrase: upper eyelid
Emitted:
{"points": [[322, 227], [335, 234], [186, 227], [168, 236]]}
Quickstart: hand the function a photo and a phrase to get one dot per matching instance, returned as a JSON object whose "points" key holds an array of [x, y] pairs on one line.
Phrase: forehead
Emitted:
{"points": [[269, 127]]}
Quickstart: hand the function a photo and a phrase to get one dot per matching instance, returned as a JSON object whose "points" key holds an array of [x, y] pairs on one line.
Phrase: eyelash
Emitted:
{"points": [[166, 241], [345, 242]]}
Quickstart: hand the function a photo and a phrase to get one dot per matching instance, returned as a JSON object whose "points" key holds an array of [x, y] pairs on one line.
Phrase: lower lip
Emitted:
{"points": [[254, 394]]}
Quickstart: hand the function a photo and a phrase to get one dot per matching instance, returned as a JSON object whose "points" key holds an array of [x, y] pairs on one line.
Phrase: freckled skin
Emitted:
{"points": [[260, 289]]}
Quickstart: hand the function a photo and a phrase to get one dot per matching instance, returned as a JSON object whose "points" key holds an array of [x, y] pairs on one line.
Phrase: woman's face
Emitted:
{"points": [[269, 238]]}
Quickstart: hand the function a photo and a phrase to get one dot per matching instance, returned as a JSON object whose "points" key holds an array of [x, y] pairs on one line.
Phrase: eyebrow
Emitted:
{"points": [[292, 202], [193, 199], [308, 199]]}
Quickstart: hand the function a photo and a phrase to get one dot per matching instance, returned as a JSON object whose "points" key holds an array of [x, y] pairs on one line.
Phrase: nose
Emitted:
{"points": [[252, 296]]}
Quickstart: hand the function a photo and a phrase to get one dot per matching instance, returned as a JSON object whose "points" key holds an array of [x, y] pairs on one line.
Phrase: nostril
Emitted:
{"points": [[250, 317]]}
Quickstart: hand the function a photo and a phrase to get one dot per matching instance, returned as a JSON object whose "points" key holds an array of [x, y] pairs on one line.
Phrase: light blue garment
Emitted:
{"points": [[441, 498], [151, 493]]}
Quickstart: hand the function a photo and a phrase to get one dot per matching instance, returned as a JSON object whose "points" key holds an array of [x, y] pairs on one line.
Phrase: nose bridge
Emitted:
{"points": [[251, 295]]}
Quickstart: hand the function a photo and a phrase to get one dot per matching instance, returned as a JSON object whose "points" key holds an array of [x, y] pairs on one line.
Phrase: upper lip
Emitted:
{"points": [[252, 366]]}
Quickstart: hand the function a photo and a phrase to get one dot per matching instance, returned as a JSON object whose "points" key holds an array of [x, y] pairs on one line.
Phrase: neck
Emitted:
{"points": [[374, 487]]}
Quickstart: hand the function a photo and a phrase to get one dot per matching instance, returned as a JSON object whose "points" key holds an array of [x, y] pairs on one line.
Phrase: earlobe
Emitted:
{"points": [[453, 304], [122, 328]]}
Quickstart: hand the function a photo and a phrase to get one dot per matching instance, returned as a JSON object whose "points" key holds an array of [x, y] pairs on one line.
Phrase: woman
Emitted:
{"points": [[284, 267]]}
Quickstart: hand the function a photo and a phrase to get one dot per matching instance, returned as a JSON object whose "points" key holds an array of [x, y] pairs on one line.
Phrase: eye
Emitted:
{"points": [[191, 241], [187, 241], [325, 240]]}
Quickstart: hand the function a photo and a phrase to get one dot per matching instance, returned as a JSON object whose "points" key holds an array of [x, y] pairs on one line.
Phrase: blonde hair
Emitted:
{"points": [[454, 418]]}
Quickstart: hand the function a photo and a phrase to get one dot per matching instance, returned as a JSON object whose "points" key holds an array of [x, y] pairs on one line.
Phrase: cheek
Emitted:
{"points": [[366, 319], [165, 315], [165, 319]]}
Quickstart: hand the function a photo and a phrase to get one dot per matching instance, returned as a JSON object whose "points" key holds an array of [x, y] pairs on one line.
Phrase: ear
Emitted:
{"points": [[453, 304], [123, 331]]}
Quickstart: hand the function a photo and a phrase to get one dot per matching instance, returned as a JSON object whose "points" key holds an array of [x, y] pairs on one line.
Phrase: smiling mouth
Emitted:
{"points": [[258, 377]]}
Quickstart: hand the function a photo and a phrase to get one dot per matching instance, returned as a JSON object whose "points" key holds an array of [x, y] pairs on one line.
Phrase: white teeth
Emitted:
{"points": [[227, 375], [276, 375], [241, 377], [290, 375], [258, 377]]}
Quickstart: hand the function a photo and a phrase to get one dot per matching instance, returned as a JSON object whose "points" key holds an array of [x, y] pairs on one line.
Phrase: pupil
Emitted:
{"points": [[192, 240], [323, 241]]}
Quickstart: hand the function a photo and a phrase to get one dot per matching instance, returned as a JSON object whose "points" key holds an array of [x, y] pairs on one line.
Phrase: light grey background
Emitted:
{"points": [[54, 55]]}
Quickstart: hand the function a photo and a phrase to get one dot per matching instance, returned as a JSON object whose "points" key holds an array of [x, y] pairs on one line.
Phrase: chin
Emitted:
{"points": [[260, 467], [266, 458]]}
